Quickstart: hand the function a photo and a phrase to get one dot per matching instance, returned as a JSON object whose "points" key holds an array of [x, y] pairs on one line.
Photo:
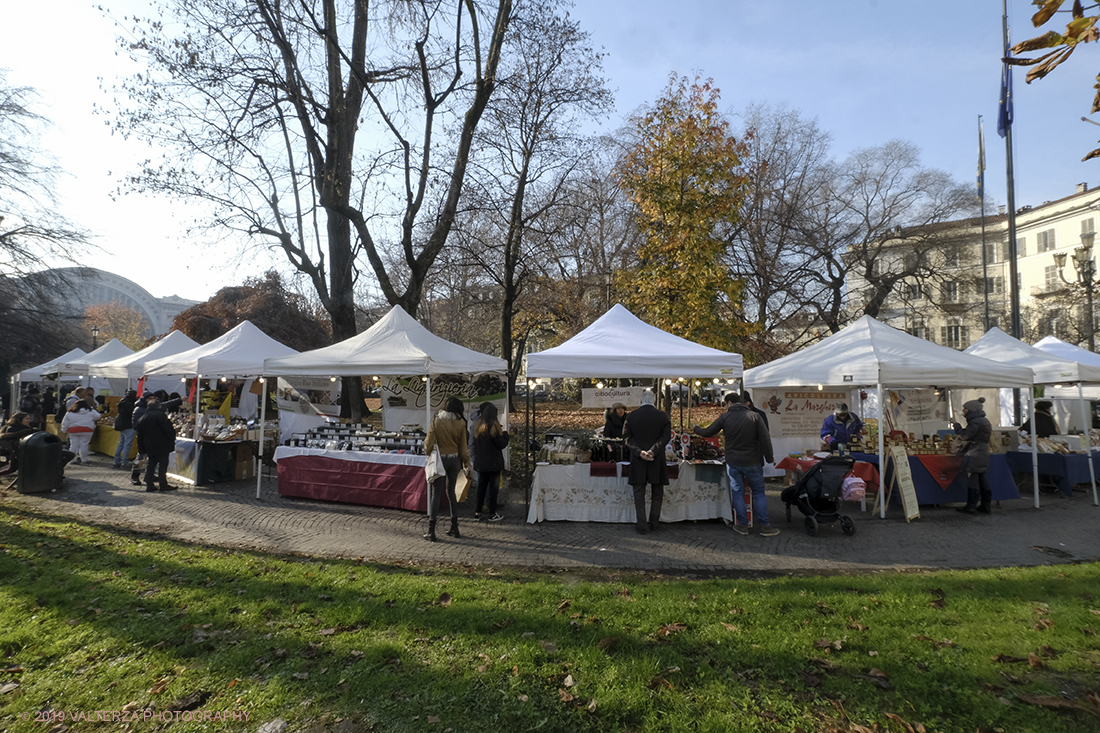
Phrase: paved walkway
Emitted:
{"points": [[230, 515]]}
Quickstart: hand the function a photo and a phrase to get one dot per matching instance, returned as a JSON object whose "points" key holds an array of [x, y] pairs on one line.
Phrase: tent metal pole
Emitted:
{"points": [[198, 379], [529, 429], [428, 405], [1035, 446], [881, 454], [1087, 425], [263, 420]]}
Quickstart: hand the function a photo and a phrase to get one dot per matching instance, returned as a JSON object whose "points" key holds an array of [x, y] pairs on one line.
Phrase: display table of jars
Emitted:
{"points": [[356, 465]]}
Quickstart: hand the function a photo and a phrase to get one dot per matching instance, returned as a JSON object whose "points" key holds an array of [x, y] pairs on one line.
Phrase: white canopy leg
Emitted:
{"points": [[263, 419], [881, 454], [1035, 451], [1087, 428]]}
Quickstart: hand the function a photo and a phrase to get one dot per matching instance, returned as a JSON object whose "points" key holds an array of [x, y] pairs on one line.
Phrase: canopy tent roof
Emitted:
{"points": [[133, 366], [397, 345], [870, 352], [619, 344], [238, 353], [1048, 368], [34, 374], [1058, 347], [113, 349]]}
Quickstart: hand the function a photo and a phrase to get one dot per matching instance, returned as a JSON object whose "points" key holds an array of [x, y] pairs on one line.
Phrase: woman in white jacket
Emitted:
{"points": [[79, 423]]}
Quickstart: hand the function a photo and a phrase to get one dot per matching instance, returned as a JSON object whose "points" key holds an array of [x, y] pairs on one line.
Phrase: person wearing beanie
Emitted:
{"points": [[748, 448], [975, 456], [1045, 426], [646, 432], [840, 427], [613, 420]]}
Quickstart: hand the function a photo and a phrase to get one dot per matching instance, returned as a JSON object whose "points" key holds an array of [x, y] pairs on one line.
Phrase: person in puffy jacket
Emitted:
{"points": [[840, 427], [490, 440], [79, 424], [975, 456], [156, 438], [448, 433]]}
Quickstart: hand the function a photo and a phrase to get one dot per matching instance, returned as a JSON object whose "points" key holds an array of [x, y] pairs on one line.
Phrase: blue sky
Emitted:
{"points": [[868, 70]]}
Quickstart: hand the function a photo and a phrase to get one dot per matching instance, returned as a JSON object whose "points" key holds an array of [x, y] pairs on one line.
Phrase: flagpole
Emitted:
{"points": [[981, 203], [1004, 128]]}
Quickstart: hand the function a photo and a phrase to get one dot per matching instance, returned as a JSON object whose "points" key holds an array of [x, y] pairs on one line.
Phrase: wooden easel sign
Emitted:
{"points": [[901, 477]]}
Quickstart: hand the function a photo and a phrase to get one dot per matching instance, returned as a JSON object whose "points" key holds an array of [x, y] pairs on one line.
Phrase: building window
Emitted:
{"points": [[951, 292], [1044, 241], [955, 336], [951, 259], [1051, 280], [993, 253], [994, 321], [1021, 247], [1088, 225], [918, 329], [913, 291], [995, 285]]}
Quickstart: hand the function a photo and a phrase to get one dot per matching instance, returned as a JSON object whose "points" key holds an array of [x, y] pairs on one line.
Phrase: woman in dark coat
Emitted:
{"points": [[975, 456], [1045, 426], [490, 440]]}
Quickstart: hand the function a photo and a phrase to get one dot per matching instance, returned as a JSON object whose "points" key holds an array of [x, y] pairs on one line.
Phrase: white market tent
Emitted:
{"points": [[869, 352], [1058, 347], [397, 345], [621, 345], [133, 366], [239, 352], [78, 366], [1047, 368], [35, 374]]}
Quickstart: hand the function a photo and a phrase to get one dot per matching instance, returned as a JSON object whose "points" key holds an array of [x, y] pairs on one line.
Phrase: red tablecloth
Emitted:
{"points": [[355, 482], [861, 469], [943, 469]]}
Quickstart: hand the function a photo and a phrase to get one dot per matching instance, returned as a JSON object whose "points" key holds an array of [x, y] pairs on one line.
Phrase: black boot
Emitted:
{"points": [[655, 511], [430, 536], [453, 531], [971, 496]]}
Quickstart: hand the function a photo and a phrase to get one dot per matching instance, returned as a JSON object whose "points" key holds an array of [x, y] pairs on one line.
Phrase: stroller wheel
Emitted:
{"points": [[848, 526], [811, 526], [788, 512]]}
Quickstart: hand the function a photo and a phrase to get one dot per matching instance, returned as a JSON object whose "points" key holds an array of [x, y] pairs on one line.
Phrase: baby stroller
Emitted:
{"points": [[818, 494]]}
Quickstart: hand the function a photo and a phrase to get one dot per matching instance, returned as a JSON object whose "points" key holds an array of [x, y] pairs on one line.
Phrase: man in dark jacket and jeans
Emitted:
{"points": [[748, 448], [157, 439], [124, 424]]}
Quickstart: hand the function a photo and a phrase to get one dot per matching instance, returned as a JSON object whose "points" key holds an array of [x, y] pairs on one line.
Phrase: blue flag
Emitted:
{"points": [[1004, 115]]}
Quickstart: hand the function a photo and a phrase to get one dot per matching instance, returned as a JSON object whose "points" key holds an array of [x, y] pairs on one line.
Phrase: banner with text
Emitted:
{"points": [[404, 399], [629, 396]]}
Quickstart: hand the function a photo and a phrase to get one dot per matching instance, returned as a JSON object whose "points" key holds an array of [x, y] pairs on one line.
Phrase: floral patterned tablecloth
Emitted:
{"points": [[570, 493]]}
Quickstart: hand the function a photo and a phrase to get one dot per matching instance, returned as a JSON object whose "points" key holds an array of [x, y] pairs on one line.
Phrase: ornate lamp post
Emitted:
{"points": [[95, 337], [1085, 267]]}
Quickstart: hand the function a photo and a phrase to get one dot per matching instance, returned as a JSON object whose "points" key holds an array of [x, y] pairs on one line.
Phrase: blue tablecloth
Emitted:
{"points": [[929, 491], [1063, 470]]}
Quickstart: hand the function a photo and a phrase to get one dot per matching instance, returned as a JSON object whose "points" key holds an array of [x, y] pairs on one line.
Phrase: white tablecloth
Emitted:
{"points": [[399, 459], [570, 493]]}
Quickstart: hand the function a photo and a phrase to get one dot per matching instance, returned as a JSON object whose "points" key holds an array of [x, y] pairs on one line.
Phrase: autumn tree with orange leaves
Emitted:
{"points": [[116, 321], [684, 177]]}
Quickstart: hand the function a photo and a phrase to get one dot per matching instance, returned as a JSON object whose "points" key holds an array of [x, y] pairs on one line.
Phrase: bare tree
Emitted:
{"points": [[879, 221], [324, 128], [33, 235]]}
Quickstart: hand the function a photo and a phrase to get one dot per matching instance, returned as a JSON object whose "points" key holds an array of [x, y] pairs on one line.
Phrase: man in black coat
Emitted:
{"points": [[646, 432], [157, 439]]}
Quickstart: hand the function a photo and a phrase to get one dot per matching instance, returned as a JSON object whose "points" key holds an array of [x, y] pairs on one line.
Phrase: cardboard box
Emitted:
{"points": [[245, 467]]}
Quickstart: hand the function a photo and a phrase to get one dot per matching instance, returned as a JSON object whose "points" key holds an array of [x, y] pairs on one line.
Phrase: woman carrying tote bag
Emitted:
{"points": [[447, 433]]}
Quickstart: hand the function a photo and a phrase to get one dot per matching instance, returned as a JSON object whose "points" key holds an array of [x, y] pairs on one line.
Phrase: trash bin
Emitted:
{"points": [[40, 467]]}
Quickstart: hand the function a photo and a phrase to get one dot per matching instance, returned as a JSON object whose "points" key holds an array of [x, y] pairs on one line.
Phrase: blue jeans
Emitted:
{"points": [[122, 452], [754, 476]]}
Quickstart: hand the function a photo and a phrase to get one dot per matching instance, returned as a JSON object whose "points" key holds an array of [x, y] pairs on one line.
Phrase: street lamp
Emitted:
{"points": [[95, 337], [1085, 268]]}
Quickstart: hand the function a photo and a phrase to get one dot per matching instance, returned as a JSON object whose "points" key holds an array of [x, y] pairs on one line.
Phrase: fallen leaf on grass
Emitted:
{"points": [[606, 643], [1046, 651], [444, 600], [1043, 624], [822, 608], [825, 664], [548, 647], [564, 605], [1034, 661], [433, 719], [592, 705], [1007, 659], [823, 644], [522, 698], [670, 629], [564, 696], [300, 675], [569, 681], [810, 680], [730, 627], [625, 592], [658, 681], [1090, 704], [159, 685], [918, 728], [853, 624]]}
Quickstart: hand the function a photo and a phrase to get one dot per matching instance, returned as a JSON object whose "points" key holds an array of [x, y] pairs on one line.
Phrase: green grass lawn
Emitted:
{"points": [[97, 620]]}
